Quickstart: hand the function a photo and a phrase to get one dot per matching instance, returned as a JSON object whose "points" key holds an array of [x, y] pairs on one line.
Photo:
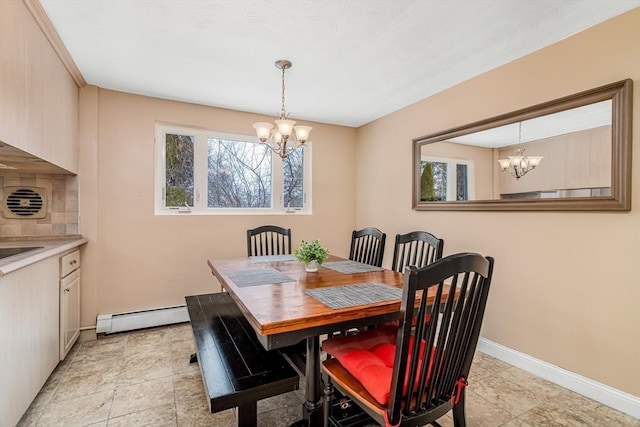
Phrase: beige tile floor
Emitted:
{"points": [[144, 379]]}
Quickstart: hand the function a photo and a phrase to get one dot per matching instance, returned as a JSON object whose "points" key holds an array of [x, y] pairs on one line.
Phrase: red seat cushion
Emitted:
{"points": [[369, 356]]}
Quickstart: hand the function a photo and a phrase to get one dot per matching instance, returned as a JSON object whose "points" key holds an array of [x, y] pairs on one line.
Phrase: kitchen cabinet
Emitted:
{"points": [[69, 301], [38, 96], [29, 335]]}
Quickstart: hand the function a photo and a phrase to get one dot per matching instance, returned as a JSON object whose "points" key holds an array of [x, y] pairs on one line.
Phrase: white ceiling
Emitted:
{"points": [[353, 60], [576, 119]]}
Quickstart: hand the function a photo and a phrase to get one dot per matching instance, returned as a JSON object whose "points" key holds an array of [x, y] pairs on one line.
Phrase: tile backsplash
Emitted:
{"points": [[62, 206]]}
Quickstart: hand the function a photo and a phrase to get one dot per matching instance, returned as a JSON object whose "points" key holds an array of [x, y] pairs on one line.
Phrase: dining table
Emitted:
{"points": [[285, 305]]}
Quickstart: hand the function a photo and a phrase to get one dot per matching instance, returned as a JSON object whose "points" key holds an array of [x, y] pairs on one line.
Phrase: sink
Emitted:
{"points": [[7, 252]]}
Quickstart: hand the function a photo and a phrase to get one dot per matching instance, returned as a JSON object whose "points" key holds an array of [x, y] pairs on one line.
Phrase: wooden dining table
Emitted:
{"points": [[283, 313]]}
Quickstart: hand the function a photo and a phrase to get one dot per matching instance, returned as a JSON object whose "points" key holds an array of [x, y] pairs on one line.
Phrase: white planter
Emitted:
{"points": [[311, 266]]}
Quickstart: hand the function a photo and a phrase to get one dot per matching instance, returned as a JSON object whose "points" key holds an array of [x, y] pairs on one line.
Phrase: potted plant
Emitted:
{"points": [[311, 255]]}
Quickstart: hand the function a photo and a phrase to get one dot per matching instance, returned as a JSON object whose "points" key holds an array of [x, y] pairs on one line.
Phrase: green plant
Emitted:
{"points": [[427, 190], [311, 251]]}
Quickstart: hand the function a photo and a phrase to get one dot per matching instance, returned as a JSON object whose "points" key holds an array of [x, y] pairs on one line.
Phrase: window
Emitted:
{"points": [[237, 173], [445, 179]]}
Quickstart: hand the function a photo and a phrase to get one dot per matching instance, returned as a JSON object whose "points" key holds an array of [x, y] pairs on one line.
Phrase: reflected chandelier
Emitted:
{"points": [[519, 165], [285, 132]]}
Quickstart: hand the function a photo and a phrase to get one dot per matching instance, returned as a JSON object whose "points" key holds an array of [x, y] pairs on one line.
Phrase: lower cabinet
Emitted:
{"points": [[29, 335], [69, 312], [69, 301]]}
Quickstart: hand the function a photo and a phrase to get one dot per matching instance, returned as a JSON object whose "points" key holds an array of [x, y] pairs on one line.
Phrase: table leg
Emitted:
{"points": [[312, 408]]}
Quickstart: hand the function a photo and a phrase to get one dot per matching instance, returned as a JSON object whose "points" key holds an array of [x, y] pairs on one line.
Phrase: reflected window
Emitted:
{"points": [[445, 179]]}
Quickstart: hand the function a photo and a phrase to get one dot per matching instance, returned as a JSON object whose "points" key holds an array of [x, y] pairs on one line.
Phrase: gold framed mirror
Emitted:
{"points": [[570, 154]]}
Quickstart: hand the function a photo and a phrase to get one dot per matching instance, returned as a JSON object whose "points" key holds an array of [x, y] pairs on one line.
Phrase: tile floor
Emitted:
{"points": [[144, 379]]}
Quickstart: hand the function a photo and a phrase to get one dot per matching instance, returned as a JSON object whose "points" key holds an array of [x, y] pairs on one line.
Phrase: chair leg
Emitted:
{"points": [[459, 419], [328, 401]]}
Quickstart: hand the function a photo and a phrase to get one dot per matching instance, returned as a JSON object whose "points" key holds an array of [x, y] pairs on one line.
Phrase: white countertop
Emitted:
{"points": [[50, 247]]}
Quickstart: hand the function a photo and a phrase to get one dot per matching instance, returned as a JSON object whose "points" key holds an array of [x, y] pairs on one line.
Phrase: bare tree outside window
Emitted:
{"points": [[294, 179], [178, 170], [462, 186], [239, 174]]}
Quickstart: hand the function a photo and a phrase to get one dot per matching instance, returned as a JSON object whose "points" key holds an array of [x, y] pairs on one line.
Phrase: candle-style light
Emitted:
{"points": [[286, 131], [520, 164]]}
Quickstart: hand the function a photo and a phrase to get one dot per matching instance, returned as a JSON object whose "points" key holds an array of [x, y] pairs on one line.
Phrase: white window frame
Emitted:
{"points": [[200, 152], [452, 178]]}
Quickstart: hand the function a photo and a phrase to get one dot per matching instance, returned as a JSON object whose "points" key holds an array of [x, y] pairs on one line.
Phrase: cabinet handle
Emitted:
{"points": [[73, 262], [67, 290]]}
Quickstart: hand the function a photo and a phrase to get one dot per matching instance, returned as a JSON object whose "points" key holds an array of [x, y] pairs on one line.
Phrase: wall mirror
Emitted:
{"points": [[570, 154]]}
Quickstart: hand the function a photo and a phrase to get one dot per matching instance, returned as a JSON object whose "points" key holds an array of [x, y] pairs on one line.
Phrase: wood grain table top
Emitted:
{"points": [[280, 308]]}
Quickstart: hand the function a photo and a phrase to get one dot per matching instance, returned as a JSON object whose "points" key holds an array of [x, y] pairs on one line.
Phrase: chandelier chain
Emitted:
{"points": [[283, 112]]}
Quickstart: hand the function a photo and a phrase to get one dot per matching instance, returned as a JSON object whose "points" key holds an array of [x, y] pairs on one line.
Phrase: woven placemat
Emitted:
{"points": [[272, 258], [351, 295], [258, 276], [351, 267]]}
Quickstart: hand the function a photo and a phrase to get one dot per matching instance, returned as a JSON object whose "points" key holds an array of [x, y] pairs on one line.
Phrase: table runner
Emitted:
{"points": [[272, 258], [258, 276], [351, 295], [351, 267]]}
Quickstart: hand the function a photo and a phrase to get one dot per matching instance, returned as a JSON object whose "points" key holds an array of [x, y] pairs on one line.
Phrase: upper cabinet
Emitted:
{"points": [[38, 96]]}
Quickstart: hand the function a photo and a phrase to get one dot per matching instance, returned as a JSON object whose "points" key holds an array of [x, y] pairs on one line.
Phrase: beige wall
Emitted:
{"points": [[554, 271], [138, 260]]}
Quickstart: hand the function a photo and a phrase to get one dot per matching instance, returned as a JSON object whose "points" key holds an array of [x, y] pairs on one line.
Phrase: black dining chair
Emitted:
{"points": [[275, 240], [367, 246], [410, 375], [268, 240], [417, 248]]}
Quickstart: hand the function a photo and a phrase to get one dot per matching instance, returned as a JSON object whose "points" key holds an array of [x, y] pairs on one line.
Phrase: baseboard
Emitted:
{"points": [[122, 322], [623, 402]]}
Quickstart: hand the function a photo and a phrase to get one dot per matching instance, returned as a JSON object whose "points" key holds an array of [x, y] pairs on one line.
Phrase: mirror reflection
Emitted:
{"points": [[564, 154], [572, 153]]}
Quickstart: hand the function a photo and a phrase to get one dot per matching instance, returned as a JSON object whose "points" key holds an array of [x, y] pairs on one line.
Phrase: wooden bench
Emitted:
{"points": [[236, 369]]}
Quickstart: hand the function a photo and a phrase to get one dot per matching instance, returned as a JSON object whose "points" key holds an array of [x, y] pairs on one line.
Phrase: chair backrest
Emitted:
{"points": [[268, 240], [447, 339], [417, 248], [367, 246]]}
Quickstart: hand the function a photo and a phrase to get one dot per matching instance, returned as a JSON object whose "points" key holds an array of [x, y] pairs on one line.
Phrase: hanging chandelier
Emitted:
{"points": [[520, 164], [285, 131]]}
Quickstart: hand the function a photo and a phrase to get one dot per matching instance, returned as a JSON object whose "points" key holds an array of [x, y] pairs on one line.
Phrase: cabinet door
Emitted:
{"points": [[29, 335], [69, 312]]}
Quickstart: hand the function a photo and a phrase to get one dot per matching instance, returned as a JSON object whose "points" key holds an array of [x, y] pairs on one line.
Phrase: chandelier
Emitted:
{"points": [[285, 132], [520, 164]]}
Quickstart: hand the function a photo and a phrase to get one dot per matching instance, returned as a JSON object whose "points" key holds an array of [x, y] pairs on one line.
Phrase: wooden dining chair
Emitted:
{"points": [[417, 248], [367, 246], [413, 375], [268, 240]]}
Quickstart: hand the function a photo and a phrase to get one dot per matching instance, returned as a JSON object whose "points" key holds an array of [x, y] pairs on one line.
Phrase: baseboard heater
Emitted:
{"points": [[122, 322]]}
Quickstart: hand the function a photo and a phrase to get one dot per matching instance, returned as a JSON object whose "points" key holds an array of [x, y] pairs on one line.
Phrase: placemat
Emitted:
{"points": [[272, 258], [351, 295], [350, 267], [258, 276]]}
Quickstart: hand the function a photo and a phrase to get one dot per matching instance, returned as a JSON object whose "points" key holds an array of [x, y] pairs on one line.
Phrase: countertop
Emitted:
{"points": [[50, 247]]}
